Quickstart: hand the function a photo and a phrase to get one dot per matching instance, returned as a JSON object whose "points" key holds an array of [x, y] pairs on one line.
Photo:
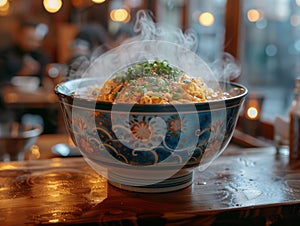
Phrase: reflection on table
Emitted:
{"points": [[242, 187]]}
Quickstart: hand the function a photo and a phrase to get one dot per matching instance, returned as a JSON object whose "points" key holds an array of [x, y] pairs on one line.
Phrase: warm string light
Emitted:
{"points": [[4, 7], [120, 15], [98, 1], [3, 3], [52, 6]]}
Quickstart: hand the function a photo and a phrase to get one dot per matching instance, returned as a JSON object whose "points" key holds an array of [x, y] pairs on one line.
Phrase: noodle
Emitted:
{"points": [[154, 83]]}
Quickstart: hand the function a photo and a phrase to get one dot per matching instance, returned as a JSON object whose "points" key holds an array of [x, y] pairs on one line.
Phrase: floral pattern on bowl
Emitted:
{"points": [[133, 141]]}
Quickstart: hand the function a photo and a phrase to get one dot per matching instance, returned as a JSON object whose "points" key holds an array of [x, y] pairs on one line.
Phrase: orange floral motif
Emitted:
{"points": [[175, 125], [85, 145], [80, 123], [97, 113], [141, 131]]}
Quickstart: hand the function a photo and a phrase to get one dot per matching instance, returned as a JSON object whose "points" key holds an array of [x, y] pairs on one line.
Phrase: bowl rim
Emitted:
{"points": [[65, 95]]}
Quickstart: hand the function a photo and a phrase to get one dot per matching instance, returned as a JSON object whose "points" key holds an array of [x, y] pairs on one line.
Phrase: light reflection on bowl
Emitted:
{"points": [[149, 148]]}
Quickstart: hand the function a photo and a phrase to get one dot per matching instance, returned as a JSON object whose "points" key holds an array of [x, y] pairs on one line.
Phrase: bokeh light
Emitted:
{"points": [[3, 3], [271, 50], [52, 6], [98, 1], [252, 113], [120, 15], [4, 7], [206, 19], [254, 15], [261, 24]]}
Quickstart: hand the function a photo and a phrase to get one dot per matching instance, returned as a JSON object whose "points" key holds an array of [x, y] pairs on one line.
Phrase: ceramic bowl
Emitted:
{"points": [[149, 148], [16, 139]]}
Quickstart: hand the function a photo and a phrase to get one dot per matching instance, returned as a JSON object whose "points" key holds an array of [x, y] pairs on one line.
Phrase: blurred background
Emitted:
{"points": [[264, 37]]}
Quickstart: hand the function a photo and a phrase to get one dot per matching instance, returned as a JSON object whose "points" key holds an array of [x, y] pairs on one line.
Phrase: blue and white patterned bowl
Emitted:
{"points": [[149, 148]]}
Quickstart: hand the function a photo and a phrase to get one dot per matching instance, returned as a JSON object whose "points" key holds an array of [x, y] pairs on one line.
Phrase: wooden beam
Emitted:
{"points": [[232, 21]]}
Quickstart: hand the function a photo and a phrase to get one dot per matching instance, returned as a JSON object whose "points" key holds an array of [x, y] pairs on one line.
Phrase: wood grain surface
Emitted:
{"points": [[242, 187]]}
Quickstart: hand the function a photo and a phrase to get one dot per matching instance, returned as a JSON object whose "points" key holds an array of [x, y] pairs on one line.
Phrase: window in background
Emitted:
{"points": [[268, 37], [206, 18], [170, 12], [270, 51]]}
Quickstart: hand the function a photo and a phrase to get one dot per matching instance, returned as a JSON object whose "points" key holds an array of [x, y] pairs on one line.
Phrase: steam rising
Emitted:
{"points": [[160, 42], [148, 30], [226, 68]]}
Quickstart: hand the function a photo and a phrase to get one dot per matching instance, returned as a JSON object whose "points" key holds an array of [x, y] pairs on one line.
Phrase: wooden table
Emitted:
{"points": [[242, 187], [41, 101], [16, 98]]}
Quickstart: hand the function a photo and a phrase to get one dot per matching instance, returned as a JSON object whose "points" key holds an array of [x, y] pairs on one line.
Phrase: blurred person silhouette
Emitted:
{"points": [[89, 43], [24, 57]]}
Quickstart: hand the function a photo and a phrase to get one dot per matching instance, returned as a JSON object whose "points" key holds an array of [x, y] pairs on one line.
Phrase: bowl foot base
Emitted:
{"points": [[180, 180]]}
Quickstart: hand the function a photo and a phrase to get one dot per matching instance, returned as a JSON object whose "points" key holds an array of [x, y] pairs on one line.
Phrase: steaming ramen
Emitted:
{"points": [[154, 82]]}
